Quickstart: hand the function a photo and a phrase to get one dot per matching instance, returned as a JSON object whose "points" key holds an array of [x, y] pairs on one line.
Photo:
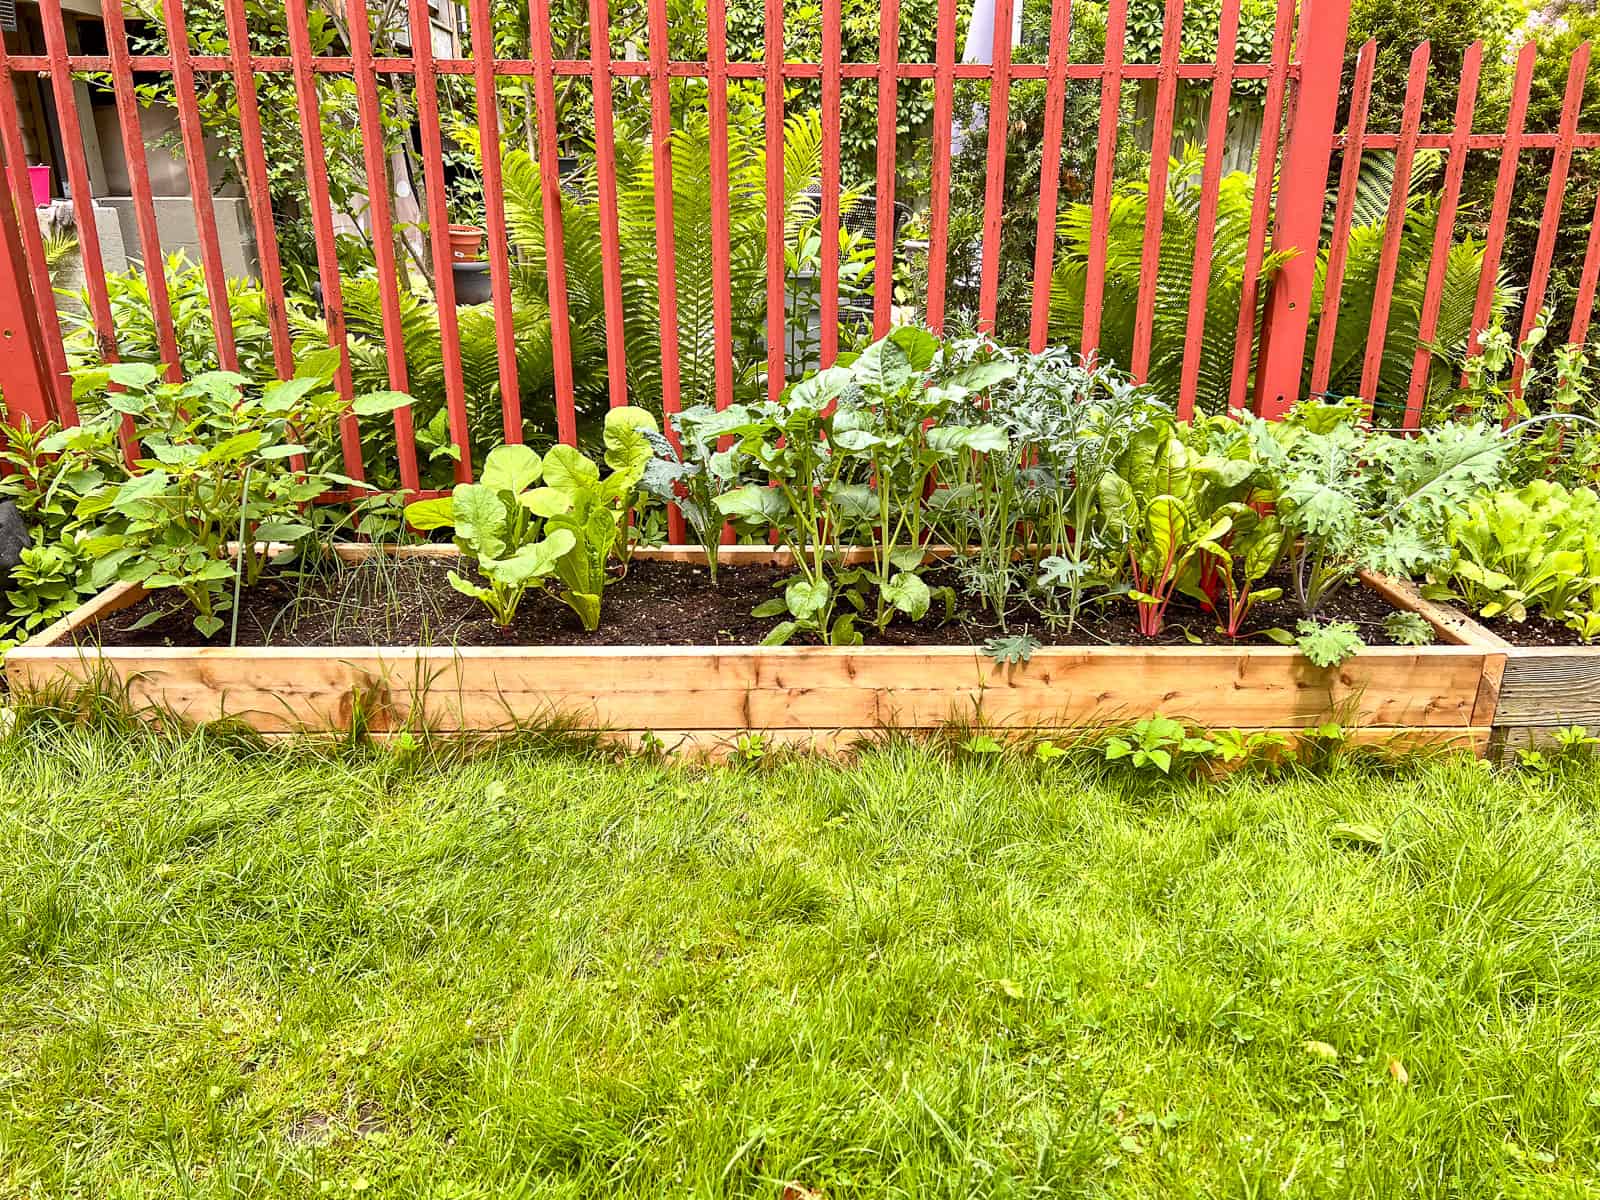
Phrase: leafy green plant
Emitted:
{"points": [[1148, 505], [1327, 644], [1408, 629], [851, 452], [690, 470], [47, 584], [1352, 498], [1024, 515], [1535, 549], [216, 487], [496, 523], [1159, 743], [497, 519]]}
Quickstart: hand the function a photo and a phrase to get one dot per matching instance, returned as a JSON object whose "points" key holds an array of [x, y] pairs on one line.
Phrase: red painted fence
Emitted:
{"points": [[1304, 98]]}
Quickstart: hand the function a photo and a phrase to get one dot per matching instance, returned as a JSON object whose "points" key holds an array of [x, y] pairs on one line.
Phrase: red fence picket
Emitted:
{"points": [[1299, 148]]}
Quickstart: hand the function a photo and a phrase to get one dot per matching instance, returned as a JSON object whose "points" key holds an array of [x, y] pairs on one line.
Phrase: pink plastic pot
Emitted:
{"points": [[39, 180]]}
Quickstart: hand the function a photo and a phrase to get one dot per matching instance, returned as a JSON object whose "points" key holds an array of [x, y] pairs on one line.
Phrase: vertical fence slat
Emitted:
{"points": [[28, 397], [888, 106], [90, 253], [444, 280], [666, 241], [494, 215], [144, 209], [1583, 306], [1504, 186], [1156, 197], [777, 314], [828, 213], [555, 255], [1055, 107], [1210, 189], [995, 173], [1105, 163], [194, 155], [35, 294], [1550, 221], [1394, 223], [309, 106], [1343, 214], [1261, 204], [944, 93], [721, 256], [605, 153], [381, 222], [77, 164], [1443, 234], [257, 186]]}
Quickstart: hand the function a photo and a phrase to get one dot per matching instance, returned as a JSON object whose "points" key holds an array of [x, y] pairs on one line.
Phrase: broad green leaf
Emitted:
{"points": [[908, 593], [130, 374], [467, 588], [438, 513], [233, 449], [566, 467], [627, 449], [282, 531], [510, 468], [372, 404], [754, 502], [853, 501], [480, 519], [546, 501], [780, 633], [1165, 524], [586, 605], [806, 600]]}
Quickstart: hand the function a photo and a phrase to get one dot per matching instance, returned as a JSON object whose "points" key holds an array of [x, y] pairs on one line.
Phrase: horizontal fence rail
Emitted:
{"points": [[1314, 141]]}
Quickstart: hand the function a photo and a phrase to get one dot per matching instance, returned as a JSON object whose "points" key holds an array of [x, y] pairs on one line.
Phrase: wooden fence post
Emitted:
{"points": [[24, 371], [1302, 186]]}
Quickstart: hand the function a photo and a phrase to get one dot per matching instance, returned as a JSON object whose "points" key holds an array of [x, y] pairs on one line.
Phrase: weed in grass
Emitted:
{"points": [[432, 969]]}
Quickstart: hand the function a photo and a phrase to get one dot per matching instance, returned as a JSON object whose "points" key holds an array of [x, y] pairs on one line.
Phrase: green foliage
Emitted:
{"points": [[1408, 629], [1353, 498], [48, 583], [1327, 644], [1536, 549], [851, 451], [1159, 744], [215, 486], [496, 522]]}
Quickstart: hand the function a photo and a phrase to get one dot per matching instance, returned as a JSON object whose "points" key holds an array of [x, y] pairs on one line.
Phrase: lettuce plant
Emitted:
{"points": [[1535, 549]]}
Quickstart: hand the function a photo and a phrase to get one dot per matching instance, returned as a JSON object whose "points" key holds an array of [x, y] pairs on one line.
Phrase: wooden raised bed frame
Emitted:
{"points": [[705, 697]]}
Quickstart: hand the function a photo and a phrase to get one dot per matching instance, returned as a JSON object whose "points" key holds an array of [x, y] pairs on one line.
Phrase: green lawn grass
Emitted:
{"points": [[235, 972]]}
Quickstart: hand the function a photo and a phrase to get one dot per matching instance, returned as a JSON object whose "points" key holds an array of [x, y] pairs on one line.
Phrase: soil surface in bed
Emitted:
{"points": [[1535, 631], [409, 602]]}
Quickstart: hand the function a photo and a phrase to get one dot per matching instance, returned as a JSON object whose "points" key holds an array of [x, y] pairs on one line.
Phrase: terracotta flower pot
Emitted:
{"points": [[466, 243]]}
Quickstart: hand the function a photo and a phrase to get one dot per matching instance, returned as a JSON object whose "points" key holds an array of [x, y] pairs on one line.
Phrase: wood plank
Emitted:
{"points": [[685, 687], [1552, 686], [1449, 622]]}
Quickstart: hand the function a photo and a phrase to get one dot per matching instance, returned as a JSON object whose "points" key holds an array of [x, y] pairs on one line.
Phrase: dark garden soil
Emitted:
{"points": [[410, 602], [1535, 631]]}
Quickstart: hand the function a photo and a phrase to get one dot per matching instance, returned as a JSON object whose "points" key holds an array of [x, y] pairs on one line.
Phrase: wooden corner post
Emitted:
{"points": [[1302, 186]]}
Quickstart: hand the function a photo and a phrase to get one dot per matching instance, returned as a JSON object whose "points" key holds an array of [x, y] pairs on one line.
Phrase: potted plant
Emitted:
{"points": [[466, 243]]}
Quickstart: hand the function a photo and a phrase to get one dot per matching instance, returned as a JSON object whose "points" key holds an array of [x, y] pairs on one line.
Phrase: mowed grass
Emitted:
{"points": [[235, 972]]}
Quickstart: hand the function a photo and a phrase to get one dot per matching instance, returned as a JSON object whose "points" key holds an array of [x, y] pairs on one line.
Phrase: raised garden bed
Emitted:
{"points": [[706, 695]]}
